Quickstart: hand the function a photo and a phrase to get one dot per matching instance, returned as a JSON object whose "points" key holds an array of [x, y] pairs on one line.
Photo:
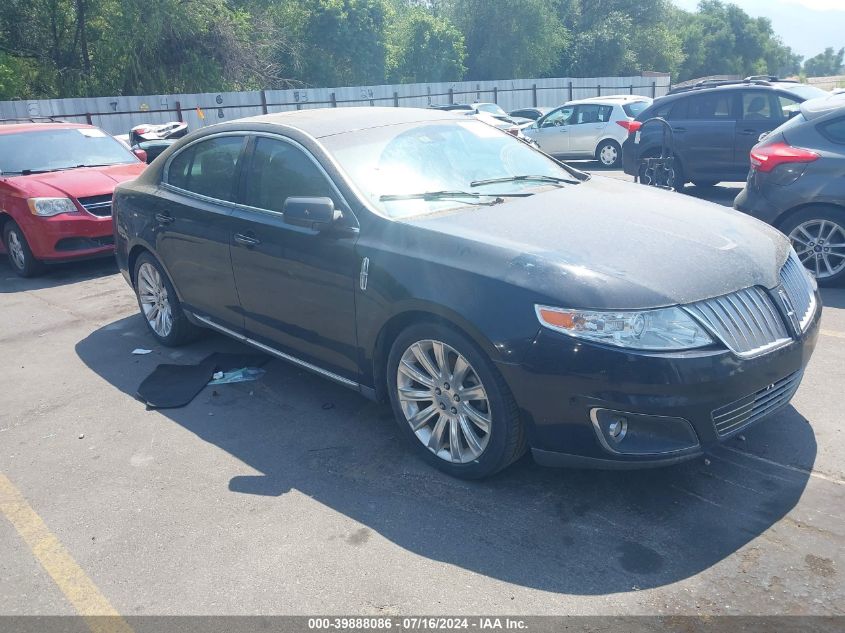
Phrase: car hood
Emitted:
{"points": [[77, 183], [608, 244]]}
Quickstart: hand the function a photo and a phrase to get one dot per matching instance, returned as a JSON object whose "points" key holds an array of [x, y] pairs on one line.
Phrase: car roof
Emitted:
{"points": [[820, 106], [610, 100], [17, 128], [320, 122]]}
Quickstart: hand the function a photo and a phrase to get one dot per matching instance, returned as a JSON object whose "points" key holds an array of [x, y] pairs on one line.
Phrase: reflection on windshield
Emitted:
{"points": [[62, 148], [402, 160]]}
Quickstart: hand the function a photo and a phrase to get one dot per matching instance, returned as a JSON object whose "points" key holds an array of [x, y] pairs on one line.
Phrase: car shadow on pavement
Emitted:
{"points": [[833, 297], [55, 274], [570, 531]]}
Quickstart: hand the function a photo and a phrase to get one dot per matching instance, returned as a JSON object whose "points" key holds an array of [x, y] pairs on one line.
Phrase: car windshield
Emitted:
{"points": [[445, 159], [806, 91], [634, 108], [60, 148]]}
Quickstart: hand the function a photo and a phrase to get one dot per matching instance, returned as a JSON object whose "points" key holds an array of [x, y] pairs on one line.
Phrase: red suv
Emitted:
{"points": [[56, 184]]}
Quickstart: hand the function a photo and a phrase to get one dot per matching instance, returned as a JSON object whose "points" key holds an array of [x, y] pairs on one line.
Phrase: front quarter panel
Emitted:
{"points": [[414, 271]]}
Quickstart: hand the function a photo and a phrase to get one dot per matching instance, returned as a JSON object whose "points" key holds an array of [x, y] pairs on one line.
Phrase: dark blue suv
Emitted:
{"points": [[715, 125]]}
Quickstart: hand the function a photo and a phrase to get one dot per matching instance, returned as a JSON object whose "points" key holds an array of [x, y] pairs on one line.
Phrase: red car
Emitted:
{"points": [[56, 184]]}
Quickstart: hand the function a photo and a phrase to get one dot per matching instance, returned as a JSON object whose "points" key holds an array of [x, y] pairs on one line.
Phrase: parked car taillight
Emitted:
{"points": [[767, 157], [631, 126]]}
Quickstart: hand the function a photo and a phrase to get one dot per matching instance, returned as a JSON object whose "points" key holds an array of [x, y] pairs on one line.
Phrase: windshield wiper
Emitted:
{"points": [[28, 172], [445, 195], [538, 178]]}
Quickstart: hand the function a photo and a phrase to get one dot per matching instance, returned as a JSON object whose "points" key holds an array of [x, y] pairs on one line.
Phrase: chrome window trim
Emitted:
{"points": [[271, 350], [247, 134]]}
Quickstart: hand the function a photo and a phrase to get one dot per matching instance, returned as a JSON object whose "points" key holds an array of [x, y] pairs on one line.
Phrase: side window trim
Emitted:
{"points": [[249, 155], [165, 173]]}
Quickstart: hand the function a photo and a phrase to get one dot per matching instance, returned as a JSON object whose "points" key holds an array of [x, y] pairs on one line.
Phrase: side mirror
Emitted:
{"points": [[762, 136], [141, 154], [312, 213]]}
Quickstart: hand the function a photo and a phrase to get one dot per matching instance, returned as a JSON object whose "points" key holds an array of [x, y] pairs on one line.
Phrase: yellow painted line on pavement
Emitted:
{"points": [[833, 333], [74, 583]]}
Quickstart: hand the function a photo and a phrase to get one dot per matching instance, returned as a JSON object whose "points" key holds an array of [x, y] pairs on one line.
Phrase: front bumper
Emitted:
{"points": [[564, 379], [69, 236]]}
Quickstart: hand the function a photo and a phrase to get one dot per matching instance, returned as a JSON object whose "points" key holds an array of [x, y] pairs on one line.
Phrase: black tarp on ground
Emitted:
{"points": [[170, 386]]}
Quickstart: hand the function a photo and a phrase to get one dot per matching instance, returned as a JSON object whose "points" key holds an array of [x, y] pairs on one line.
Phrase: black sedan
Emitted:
{"points": [[797, 183], [500, 300], [530, 113]]}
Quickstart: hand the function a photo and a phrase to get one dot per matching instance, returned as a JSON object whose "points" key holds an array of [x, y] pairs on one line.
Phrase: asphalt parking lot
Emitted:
{"points": [[293, 495]]}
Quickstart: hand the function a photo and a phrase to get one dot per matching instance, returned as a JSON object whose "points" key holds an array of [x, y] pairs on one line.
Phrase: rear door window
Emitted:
{"points": [[592, 113], [208, 168], [715, 106], [758, 105]]}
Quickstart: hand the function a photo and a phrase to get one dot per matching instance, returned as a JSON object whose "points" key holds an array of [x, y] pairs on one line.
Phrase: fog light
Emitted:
{"points": [[641, 434], [617, 429]]}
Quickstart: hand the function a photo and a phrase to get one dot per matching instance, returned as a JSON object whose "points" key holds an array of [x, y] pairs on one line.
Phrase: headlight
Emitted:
{"points": [[663, 329], [46, 207]]}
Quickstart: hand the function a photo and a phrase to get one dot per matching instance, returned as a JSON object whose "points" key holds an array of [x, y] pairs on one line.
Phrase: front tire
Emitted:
{"points": [[452, 403], [159, 305], [818, 236], [609, 154], [21, 259]]}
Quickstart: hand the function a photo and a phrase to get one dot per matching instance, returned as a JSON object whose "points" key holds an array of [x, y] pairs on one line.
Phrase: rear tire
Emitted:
{"points": [[160, 307], [451, 402], [813, 230], [21, 259]]}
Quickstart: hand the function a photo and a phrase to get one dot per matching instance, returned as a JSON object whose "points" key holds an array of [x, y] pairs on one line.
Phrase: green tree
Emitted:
{"points": [[509, 38], [424, 47], [826, 63], [619, 37], [344, 42], [721, 38]]}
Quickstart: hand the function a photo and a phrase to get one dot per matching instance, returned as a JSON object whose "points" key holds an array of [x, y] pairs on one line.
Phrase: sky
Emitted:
{"points": [[808, 26]]}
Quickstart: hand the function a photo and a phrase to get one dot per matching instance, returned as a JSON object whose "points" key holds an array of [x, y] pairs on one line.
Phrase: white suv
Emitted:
{"points": [[588, 128]]}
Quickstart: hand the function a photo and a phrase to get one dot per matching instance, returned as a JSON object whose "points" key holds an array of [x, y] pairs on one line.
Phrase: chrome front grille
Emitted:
{"points": [[740, 413], [97, 205], [747, 321], [754, 321], [798, 288]]}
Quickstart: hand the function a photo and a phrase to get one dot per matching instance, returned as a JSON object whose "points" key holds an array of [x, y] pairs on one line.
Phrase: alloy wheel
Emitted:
{"points": [[16, 251], [608, 155], [155, 303], [820, 245], [444, 401]]}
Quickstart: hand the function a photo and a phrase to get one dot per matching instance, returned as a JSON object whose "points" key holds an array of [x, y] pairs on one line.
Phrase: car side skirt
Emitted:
{"points": [[368, 392]]}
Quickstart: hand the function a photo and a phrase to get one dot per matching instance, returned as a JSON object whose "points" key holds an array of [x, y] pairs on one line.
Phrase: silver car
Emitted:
{"points": [[588, 128]]}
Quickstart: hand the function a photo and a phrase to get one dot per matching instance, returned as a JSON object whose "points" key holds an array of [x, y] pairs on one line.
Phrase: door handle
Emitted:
{"points": [[164, 218], [749, 132], [679, 130], [247, 240]]}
